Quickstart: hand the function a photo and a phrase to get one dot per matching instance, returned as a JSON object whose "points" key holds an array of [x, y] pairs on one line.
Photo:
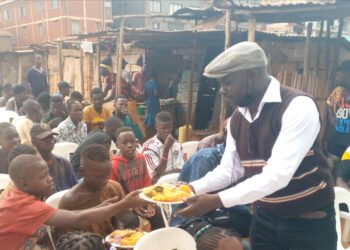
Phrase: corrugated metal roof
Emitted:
{"points": [[269, 3]]}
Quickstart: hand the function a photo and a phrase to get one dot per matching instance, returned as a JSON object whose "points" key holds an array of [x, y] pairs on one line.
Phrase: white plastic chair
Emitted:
{"points": [[54, 201], [341, 196], [7, 115], [166, 239], [189, 148], [4, 181], [172, 179], [64, 149]]}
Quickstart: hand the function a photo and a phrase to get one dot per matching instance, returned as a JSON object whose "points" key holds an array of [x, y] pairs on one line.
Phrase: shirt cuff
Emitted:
{"points": [[199, 186], [227, 199]]}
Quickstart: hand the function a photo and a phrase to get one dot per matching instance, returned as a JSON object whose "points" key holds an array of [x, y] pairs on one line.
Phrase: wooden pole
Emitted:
{"points": [[190, 92], [120, 56], [81, 64], [318, 53], [307, 58], [60, 64], [251, 29], [227, 45], [98, 52], [328, 48]]}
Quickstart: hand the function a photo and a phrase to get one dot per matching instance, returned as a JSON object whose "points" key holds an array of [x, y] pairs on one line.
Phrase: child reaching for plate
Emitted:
{"points": [[130, 170], [23, 213]]}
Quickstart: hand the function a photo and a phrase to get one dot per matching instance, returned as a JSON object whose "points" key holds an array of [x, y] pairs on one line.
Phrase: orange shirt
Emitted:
{"points": [[94, 118], [21, 215]]}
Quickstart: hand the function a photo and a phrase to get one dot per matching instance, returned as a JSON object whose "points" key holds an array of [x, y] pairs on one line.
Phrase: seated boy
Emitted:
{"points": [[94, 188], [163, 153], [23, 213], [130, 170], [9, 138]]}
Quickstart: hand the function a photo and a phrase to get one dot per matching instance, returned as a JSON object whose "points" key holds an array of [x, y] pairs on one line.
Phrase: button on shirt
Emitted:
{"points": [[68, 132], [300, 127], [153, 151]]}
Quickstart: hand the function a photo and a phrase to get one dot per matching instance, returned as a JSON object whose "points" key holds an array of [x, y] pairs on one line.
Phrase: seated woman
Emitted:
{"points": [[94, 188]]}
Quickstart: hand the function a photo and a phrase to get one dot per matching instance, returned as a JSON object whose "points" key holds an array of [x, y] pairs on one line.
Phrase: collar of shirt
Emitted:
{"points": [[70, 124], [272, 94]]}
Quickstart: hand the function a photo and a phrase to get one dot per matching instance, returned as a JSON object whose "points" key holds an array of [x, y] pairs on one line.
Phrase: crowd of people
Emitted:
{"points": [[264, 176]]}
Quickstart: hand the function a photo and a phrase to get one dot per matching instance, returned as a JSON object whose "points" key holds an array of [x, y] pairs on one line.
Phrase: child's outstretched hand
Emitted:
{"points": [[133, 200], [109, 201]]}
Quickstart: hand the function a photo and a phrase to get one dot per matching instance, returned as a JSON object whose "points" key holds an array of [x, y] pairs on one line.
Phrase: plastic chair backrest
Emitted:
{"points": [[169, 178], [54, 200], [189, 148], [166, 239], [64, 149], [4, 181], [341, 196]]}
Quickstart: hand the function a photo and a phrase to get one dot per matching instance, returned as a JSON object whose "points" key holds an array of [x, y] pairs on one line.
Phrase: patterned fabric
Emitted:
{"points": [[21, 216], [131, 174], [153, 151], [339, 100], [68, 132], [95, 118], [103, 228]]}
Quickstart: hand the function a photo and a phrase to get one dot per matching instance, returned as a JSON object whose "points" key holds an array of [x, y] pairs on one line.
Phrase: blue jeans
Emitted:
{"points": [[270, 232]]}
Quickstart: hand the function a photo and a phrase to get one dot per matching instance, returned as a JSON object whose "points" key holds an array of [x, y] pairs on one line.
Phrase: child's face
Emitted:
{"points": [[96, 174], [37, 181], [126, 142], [121, 106], [163, 129], [9, 139]]}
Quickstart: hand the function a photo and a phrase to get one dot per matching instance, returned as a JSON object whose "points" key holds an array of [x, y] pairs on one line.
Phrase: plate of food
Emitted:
{"points": [[125, 239], [166, 193]]}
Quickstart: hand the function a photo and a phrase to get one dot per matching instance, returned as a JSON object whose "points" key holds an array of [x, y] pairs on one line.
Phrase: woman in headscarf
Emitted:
{"points": [[94, 138]]}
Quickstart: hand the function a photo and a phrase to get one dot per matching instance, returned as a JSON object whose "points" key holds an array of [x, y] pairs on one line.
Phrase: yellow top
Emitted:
{"points": [[94, 118]]}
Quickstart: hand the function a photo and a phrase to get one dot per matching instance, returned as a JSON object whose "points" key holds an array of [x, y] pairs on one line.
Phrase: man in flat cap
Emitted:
{"points": [[272, 143]]}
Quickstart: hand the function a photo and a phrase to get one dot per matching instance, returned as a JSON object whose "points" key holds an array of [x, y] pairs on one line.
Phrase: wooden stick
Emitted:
{"points": [[120, 57], [318, 52], [81, 64], [307, 57], [251, 29]]}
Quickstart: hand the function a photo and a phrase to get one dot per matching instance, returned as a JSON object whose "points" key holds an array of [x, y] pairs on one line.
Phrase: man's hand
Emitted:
{"points": [[133, 200], [200, 205], [169, 141]]}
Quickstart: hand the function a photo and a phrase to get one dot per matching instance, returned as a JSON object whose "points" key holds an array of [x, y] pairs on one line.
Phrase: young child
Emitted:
{"points": [[75, 240], [162, 152], [130, 170], [94, 189], [22, 212]]}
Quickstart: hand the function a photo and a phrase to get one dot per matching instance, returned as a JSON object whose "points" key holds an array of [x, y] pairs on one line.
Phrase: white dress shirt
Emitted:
{"points": [[300, 127]]}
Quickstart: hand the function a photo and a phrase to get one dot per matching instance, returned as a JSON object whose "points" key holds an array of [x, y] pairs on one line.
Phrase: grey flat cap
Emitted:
{"points": [[241, 56]]}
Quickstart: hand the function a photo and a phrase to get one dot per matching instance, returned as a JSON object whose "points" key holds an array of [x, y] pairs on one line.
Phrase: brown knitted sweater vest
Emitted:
{"points": [[311, 187]]}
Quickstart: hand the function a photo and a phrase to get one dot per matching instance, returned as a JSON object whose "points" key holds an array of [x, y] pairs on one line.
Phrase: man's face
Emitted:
{"points": [[44, 145], [38, 61], [76, 113], [121, 106], [163, 129], [8, 92], [56, 108], [342, 78], [65, 91], [38, 182], [237, 89], [9, 139], [97, 100], [126, 142], [96, 174]]}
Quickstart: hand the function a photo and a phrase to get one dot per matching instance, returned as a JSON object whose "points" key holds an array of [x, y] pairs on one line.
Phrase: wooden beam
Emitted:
{"points": [[307, 55], [318, 53], [98, 52], [190, 92], [81, 71], [120, 57], [328, 49], [251, 29], [59, 55], [227, 45]]}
